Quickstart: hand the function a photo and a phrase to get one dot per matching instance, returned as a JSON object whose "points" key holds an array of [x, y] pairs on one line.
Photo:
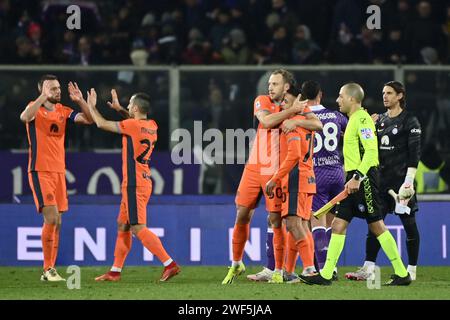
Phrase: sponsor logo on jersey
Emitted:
{"points": [[416, 130], [367, 133], [361, 207], [54, 128], [325, 116]]}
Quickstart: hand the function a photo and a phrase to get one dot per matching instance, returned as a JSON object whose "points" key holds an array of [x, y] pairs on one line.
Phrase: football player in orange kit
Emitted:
{"points": [[46, 119], [296, 175], [139, 136], [262, 163]]}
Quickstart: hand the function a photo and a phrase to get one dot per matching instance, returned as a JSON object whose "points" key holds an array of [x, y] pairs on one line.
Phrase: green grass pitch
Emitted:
{"points": [[204, 282]]}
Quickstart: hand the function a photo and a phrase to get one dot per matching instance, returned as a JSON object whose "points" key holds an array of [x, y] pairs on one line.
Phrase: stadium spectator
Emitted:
{"points": [[113, 26], [84, 54], [34, 34], [279, 48], [423, 32], [350, 14], [305, 50], [286, 14], [371, 47], [394, 48], [404, 13], [138, 54], [198, 50], [344, 48], [220, 29], [168, 45], [235, 49], [65, 51], [23, 53]]}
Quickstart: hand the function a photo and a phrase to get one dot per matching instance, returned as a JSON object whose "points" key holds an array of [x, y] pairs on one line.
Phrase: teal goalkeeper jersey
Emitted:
{"points": [[360, 143]]}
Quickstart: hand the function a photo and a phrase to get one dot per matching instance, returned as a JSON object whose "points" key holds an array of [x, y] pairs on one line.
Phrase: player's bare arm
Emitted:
{"points": [[288, 163], [101, 122], [30, 111], [115, 105], [76, 96], [271, 120], [312, 122]]}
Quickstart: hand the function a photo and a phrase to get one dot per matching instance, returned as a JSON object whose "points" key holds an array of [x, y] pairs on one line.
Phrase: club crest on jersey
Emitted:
{"points": [[367, 133], [394, 131], [258, 104]]}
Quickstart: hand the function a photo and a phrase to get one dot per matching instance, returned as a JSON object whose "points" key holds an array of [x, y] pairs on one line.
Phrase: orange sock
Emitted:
{"points": [[285, 237], [47, 237], [304, 249], [241, 233], [278, 247], [291, 253], [123, 247], [55, 247], [153, 244], [311, 243]]}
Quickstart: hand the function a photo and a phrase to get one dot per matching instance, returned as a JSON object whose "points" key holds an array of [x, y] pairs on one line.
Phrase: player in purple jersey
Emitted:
{"points": [[328, 166]]}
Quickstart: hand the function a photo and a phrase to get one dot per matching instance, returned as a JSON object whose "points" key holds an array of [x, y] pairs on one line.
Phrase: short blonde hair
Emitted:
{"points": [[354, 90]]}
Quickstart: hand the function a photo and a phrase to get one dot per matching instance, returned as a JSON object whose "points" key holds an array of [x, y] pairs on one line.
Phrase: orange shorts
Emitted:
{"points": [[252, 187], [298, 204], [133, 207], [49, 189]]}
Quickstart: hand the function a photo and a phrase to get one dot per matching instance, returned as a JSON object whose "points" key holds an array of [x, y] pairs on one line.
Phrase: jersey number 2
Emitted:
{"points": [[141, 157], [308, 154]]}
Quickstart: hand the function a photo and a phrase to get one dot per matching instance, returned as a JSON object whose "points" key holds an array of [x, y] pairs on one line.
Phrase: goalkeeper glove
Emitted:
{"points": [[406, 191]]}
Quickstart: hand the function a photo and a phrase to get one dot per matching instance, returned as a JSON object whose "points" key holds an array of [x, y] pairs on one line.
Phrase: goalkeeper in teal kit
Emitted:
{"points": [[361, 167]]}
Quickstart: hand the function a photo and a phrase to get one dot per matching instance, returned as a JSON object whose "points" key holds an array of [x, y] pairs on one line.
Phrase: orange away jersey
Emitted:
{"points": [[46, 134], [260, 155], [138, 140], [296, 170]]}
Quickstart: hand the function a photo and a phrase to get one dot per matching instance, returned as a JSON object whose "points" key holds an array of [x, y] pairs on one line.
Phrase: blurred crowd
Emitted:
{"points": [[296, 32]]}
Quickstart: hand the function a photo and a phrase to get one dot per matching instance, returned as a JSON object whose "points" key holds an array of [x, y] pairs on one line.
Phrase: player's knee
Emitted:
{"points": [[377, 228], [136, 228], [275, 220], [243, 215], [290, 225], [338, 227], [123, 227]]}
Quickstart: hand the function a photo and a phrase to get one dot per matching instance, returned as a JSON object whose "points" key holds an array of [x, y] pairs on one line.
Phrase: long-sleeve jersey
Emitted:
{"points": [[360, 143], [399, 147], [296, 171]]}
